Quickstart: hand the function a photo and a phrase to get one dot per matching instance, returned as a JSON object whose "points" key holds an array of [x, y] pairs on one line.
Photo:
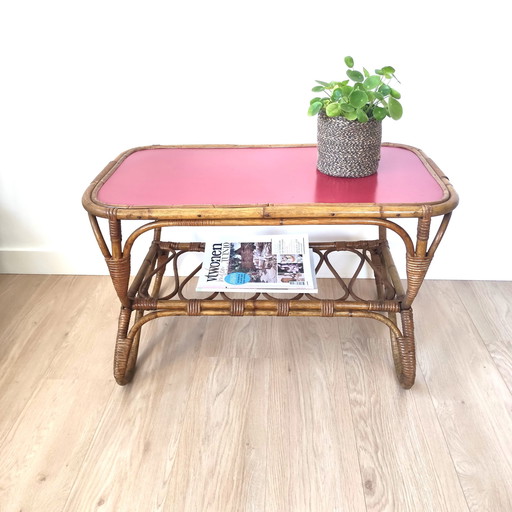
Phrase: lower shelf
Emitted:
{"points": [[148, 301], [146, 290]]}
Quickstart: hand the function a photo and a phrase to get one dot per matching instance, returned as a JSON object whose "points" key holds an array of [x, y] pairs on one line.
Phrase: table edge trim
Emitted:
{"points": [[266, 211]]}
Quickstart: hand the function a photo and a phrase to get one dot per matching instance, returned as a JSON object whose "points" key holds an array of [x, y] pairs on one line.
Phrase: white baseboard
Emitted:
{"points": [[47, 262]]}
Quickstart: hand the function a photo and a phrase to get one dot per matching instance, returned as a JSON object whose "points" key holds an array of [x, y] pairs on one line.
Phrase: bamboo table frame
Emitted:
{"points": [[393, 299]]}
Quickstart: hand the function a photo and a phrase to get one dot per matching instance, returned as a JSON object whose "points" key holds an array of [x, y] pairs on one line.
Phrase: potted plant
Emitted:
{"points": [[350, 120]]}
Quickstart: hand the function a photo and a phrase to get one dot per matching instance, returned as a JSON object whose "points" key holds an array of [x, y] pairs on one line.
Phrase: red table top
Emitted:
{"points": [[261, 175]]}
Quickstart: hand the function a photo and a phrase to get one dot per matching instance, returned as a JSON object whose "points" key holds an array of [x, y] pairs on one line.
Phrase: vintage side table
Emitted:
{"points": [[266, 186]]}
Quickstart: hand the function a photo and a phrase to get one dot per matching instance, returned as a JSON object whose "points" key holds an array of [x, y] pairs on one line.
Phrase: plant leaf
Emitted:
{"points": [[336, 94], [379, 113], [349, 61], [385, 90], [372, 82], [395, 94], [358, 98], [351, 116], [346, 107], [388, 70], [357, 76], [325, 84], [395, 108], [346, 90], [361, 116], [318, 88], [314, 108], [314, 100], [333, 110]]}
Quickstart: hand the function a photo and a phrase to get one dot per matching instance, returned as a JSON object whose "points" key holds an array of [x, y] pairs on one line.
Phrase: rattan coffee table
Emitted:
{"points": [[266, 186]]}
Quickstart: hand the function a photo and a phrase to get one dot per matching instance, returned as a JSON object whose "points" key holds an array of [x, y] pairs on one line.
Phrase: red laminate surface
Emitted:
{"points": [[251, 176]]}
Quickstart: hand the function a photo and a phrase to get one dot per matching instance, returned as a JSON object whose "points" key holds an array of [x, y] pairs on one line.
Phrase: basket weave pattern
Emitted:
{"points": [[348, 149]]}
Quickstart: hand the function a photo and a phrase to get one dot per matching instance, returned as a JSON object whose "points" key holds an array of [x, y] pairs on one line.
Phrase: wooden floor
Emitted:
{"points": [[253, 414]]}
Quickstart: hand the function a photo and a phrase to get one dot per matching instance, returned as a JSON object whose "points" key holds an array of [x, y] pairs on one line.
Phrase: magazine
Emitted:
{"points": [[273, 263]]}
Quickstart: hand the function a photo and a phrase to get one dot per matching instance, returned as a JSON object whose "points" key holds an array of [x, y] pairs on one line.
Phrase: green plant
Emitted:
{"points": [[360, 98]]}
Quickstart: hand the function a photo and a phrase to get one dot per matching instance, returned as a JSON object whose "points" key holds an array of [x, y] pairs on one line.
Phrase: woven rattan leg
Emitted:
{"points": [[134, 350], [125, 355], [404, 351]]}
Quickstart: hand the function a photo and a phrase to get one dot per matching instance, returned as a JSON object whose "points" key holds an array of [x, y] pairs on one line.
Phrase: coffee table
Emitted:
{"points": [[266, 186]]}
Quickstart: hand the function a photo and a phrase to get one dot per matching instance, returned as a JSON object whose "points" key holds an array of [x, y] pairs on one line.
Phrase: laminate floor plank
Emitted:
{"points": [[54, 413], [243, 337], [22, 304], [404, 460], [490, 306], [473, 403], [44, 451], [55, 317], [131, 457], [221, 458], [16, 292], [312, 458]]}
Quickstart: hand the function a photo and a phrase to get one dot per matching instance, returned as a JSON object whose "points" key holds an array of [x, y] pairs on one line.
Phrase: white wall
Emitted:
{"points": [[82, 82]]}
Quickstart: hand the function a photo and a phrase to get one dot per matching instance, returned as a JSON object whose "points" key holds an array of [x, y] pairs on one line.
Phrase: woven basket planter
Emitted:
{"points": [[348, 149]]}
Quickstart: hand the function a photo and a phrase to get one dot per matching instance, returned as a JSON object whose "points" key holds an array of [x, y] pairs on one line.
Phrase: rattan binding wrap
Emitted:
{"points": [[348, 149]]}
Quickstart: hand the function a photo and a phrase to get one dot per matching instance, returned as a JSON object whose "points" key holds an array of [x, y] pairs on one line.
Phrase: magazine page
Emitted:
{"points": [[263, 263]]}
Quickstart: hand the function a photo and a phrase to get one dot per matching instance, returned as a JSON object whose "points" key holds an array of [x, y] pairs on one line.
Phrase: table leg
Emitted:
{"points": [[402, 347], [125, 354], [404, 350], [118, 263], [417, 264]]}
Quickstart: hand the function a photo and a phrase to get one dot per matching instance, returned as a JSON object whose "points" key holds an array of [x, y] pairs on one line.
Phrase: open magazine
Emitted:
{"points": [[273, 263]]}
